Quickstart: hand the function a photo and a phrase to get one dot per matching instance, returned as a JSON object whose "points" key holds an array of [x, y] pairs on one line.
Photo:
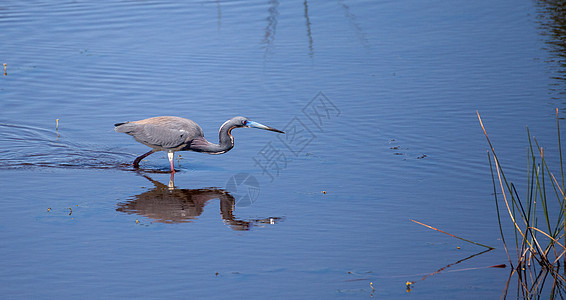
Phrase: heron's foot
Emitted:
{"points": [[136, 164], [139, 158]]}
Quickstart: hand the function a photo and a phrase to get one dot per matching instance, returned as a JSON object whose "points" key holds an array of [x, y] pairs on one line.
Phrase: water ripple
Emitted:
{"points": [[27, 146]]}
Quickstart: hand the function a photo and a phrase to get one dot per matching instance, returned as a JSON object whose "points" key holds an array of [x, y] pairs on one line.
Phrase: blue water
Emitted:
{"points": [[379, 103]]}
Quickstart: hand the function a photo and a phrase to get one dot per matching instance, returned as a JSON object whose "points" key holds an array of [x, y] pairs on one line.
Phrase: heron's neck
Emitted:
{"points": [[225, 142]]}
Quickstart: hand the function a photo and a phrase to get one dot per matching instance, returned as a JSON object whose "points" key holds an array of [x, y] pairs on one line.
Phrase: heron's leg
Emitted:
{"points": [[139, 158], [171, 184], [170, 155]]}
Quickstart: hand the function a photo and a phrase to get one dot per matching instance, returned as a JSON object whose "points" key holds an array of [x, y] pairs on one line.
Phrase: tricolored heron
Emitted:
{"points": [[174, 134]]}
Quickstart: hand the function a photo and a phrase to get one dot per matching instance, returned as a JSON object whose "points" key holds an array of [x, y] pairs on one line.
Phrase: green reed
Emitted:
{"points": [[538, 228]]}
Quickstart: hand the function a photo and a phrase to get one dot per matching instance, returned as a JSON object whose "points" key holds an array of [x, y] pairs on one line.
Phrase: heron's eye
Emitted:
{"points": [[244, 122]]}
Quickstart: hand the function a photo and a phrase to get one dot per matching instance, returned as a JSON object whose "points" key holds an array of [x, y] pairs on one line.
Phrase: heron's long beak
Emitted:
{"points": [[253, 124]]}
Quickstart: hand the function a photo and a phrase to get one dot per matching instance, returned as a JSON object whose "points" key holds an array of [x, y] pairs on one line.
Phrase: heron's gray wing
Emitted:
{"points": [[155, 135]]}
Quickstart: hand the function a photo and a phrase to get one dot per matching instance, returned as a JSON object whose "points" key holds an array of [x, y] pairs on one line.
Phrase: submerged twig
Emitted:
{"points": [[463, 239]]}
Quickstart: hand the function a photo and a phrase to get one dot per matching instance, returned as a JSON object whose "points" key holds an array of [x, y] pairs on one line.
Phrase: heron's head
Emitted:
{"points": [[244, 122]]}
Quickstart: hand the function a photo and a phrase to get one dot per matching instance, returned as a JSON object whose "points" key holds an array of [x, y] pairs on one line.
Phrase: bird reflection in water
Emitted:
{"points": [[167, 204]]}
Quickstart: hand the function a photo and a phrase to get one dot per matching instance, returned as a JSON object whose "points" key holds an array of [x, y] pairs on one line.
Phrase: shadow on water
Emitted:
{"points": [[219, 13], [552, 20], [536, 283], [270, 29], [272, 20], [26, 146], [168, 204], [353, 21], [309, 31], [416, 278], [32, 147]]}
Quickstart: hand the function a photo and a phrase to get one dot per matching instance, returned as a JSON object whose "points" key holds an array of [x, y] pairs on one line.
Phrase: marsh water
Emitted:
{"points": [[378, 99]]}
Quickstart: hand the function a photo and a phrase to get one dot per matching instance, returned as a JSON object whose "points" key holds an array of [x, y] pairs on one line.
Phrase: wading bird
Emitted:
{"points": [[174, 134]]}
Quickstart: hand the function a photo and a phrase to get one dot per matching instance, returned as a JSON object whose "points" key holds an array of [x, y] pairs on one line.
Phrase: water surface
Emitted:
{"points": [[379, 103]]}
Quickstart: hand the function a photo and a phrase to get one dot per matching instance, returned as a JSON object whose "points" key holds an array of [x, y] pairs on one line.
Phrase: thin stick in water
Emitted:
{"points": [[452, 235]]}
